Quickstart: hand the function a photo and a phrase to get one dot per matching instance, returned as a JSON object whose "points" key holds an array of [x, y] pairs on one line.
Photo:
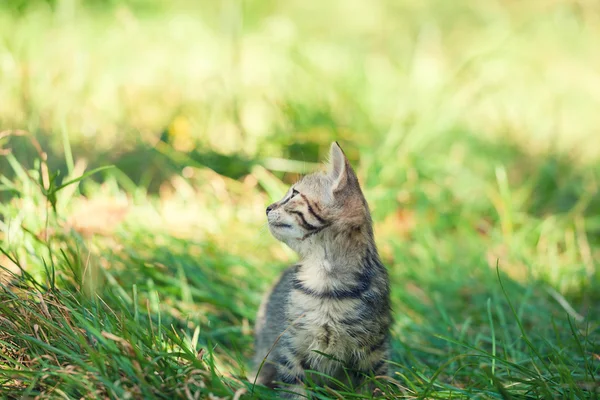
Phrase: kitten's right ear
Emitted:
{"points": [[338, 167]]}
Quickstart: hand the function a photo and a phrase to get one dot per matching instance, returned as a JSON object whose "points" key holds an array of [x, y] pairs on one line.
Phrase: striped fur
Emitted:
{"points": [[330, 312]]}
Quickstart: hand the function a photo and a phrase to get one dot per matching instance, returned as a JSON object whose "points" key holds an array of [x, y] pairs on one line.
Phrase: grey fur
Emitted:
{"points": [[336, 300]]}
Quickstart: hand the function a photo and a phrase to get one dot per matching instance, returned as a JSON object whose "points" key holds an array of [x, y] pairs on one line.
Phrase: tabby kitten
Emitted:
{"points": [[336, 299]]}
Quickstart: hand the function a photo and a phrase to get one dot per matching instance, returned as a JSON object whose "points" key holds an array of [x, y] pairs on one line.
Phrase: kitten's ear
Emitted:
{"points": [[339, 168]]}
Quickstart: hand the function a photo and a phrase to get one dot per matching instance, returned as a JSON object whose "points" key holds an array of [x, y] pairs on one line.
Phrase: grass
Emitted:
{"points": [[473, 128]]}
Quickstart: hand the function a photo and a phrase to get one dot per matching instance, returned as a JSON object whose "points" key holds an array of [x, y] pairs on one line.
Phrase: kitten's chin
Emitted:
{"points": [[283, 232], [277, 230]]}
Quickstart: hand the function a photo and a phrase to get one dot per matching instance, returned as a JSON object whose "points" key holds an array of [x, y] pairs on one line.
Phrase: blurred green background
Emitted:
{"points": [[473, 127]]}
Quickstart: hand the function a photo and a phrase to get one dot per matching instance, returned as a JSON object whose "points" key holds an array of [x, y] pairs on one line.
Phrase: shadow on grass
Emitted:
{"points": [[559, 183], [145, 165]]}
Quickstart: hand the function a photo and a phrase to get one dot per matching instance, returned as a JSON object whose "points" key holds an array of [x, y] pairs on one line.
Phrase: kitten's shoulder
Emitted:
{"points": [[283, 284], [276, 296]]}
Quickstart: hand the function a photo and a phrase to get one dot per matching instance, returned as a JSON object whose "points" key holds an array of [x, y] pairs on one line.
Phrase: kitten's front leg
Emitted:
{"points": [[290, 377], [370, 366], [294, 392]]}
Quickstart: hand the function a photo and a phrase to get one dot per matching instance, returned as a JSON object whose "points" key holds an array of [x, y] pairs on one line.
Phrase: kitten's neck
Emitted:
{"points": [[337, 253], [337, 263]]}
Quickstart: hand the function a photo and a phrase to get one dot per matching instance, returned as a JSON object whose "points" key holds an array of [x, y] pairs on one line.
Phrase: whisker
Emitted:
{"points": [[262, 229]]}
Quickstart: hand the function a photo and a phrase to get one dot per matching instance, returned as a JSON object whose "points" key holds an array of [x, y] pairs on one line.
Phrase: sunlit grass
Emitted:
{"points": [[473, 128]]}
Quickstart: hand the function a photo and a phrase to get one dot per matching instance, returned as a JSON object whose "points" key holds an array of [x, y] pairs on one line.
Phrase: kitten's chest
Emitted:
{"points": [[320, 325]]}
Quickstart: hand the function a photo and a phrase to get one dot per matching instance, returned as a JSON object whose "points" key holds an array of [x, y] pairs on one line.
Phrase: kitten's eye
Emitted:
{"points": [[294, 192]]}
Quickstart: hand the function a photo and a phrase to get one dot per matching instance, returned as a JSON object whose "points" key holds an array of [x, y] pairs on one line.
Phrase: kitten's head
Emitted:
{"points": [[319, 203]]}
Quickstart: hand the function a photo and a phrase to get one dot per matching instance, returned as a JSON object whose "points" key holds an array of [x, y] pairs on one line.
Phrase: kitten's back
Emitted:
{"points": [[271, 321]]}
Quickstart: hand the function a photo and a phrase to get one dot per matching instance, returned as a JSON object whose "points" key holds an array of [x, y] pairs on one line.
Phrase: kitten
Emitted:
{"points": [[336, 299]]}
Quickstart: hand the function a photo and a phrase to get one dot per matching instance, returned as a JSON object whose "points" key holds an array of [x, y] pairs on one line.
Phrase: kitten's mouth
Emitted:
{"points": [[280, 225]]}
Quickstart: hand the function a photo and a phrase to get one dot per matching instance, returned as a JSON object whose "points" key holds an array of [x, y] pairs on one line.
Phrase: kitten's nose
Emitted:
{"points": [[270, 208]]}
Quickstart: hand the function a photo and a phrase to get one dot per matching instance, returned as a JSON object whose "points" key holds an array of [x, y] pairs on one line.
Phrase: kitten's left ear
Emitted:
{"points": [[340, 170]]}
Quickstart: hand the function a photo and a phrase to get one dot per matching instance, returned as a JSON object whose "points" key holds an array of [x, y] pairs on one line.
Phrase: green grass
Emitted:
{"points": [[472, 126]]}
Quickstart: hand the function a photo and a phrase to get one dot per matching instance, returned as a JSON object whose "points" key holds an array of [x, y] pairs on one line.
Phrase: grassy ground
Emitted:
{"points": [[474, 130]]}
